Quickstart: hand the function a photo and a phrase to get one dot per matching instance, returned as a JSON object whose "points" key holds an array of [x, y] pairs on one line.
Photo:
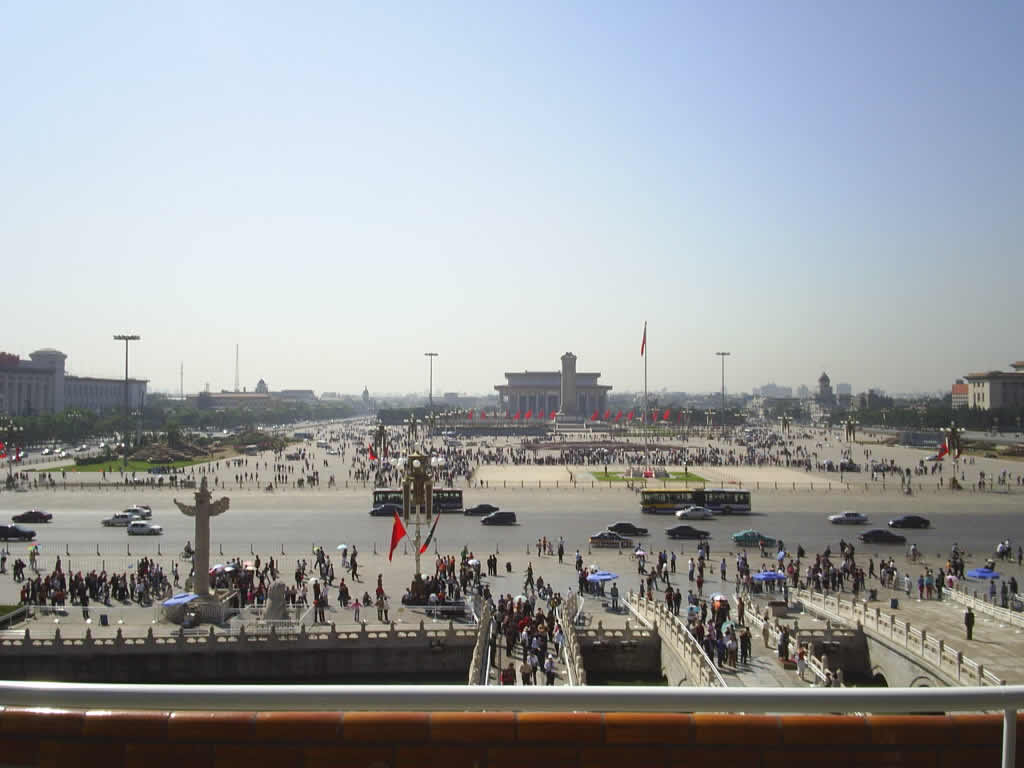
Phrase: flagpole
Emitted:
{"points": [[647, 405]]}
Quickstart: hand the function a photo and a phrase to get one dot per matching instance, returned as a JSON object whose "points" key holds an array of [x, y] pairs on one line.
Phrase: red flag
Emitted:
{"points": [[629, 417], [607, 415], [943, 450], [618, 415], [655, 415], [594, 417], [483, 414], [552, 415], [470, 414], [668, 412], [643, 344], [370, 449], [397, 533], [3, 451], [529, 413], [516, 417], [430, 535]]}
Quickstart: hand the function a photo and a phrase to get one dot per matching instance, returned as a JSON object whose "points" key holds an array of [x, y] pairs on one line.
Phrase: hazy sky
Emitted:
{"points": [[339, 188]]}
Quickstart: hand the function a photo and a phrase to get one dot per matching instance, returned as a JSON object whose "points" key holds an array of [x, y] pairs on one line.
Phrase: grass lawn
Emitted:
{"points": [[114, 465], [679, 477]]}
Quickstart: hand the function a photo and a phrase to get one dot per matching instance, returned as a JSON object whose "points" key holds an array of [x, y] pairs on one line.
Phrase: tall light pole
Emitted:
{"points": [[430, 395], [11, 432], [126, 337], [723, 355]]}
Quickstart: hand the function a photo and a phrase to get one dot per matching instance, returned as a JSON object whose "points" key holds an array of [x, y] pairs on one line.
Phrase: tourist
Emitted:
{"points": [[969, 623]]}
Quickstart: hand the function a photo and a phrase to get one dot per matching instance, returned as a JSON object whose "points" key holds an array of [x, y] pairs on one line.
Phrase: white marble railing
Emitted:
{"points": [[674, 632], [877, 623], [980, 605], [572, 655], [813, 663]]}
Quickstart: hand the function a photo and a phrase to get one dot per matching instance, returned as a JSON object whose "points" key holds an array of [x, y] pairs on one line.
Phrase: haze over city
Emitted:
{"points": [[340, 188]]}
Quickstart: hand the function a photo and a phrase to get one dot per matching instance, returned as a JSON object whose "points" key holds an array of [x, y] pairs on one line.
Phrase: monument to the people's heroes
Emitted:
{"points": [[203, 510]]}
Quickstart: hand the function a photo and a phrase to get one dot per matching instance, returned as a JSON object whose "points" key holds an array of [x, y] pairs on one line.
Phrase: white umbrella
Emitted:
{"points": [[474, 561], [342, 546], [640, 553]]}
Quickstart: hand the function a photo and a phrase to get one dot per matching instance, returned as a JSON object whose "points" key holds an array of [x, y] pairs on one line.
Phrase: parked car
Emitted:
{"points": [[142, 528], [752, 538], [882, 536], [481, 509], [848, 517], [33, 516], [8, 532], [685, 532], [610, 539], [910, 521], [386, 510], [695, 513], [627, 529], [121, 519], [143, 511], [499, 518]]}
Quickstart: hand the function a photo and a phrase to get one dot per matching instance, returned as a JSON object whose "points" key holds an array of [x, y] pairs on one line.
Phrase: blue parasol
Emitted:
{"points": [[983, 573], [769, 576], [181, 598], [602, 576]]}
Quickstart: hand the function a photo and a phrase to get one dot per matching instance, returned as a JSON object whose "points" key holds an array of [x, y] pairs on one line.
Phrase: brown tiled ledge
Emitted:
{"points": [[52, 737]]}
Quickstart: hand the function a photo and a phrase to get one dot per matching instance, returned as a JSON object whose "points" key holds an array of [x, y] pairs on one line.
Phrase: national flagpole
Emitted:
{"points": [[647, 405]]}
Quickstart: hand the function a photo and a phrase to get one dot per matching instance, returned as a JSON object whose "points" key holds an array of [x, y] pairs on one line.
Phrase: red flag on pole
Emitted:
{"points": [[516, 417], [594, 417], [430, 535], [552, 415], [3, 451], [629, 417], [643, 344], [483, 414], [943, 450], [607, 415], [370, 449], [618, 415], [655, 414], [470, 414], [397, 533], [667, 414], [529, 413]]}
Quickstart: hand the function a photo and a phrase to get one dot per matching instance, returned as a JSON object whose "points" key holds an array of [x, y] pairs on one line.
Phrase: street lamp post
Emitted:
{"points": [[952, 433], [711, 420], [11, 432], [723, 355], [417, 499], [126, 337]]}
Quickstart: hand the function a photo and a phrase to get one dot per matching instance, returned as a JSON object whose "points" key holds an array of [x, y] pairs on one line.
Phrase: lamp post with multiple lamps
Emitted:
{"points": [[430, 391], [850, 426], [11, 433], [710, 413], [126, 337], [952, 433], [723, 355]]}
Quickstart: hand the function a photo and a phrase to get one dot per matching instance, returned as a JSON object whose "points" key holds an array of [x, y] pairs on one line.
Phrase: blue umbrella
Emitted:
{"points": [[983, 573], [602, 576], [181, 599], [769, 576]]}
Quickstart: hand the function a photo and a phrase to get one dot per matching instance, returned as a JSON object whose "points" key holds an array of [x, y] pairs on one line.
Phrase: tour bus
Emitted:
{"points": [[445, 499], [726, 501]]}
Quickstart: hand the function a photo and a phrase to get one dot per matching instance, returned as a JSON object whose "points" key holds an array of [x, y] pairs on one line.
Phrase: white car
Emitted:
{"points": [[45, 452], [848, 517], [141, 511], [695, 513], [142, 528], [121, 519], [62, 455]]}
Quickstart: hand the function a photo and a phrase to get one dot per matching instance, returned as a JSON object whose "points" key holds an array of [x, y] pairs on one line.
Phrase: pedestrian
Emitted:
{"points": [[549, 669], [969, 623]]}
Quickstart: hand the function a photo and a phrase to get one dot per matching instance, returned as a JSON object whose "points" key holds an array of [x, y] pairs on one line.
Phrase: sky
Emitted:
{"points": [[338, 188]]}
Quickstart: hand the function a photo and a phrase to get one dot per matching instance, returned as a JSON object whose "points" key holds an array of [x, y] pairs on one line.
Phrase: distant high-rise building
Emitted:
{"points": [[842, 388], [803, 392], [826, 398], [774, 390]]}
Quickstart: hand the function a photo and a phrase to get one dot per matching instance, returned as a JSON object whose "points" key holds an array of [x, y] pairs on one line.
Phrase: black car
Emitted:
{"points": [[910, 521], [8, 532], [627, 529], [499, 518], [386, 510], [686, 532], [481, 509], [33, 516], [882, 536]]}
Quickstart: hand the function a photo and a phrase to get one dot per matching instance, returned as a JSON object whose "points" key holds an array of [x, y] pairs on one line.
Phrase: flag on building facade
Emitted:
{"points": [[430, 535], [397, 534]]}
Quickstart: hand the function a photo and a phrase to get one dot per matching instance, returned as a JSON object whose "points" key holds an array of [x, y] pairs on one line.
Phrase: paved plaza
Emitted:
{"points": [[289, 522]]}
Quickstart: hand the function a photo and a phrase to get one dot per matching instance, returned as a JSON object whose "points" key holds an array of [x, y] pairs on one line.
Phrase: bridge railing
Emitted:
{"points": [[704, 672], [980, 605], [932, 651]]}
